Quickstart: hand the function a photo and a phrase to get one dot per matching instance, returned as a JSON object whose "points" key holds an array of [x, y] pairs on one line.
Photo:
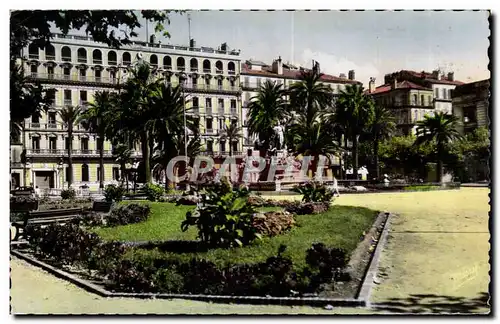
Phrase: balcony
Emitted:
{"points": [[82, 78], [234, 112], [49, 57], [167, 67], [221, 111], [66, 58], [33, 56], [194, 69], [60, 152], [97, 61], [230, 72], [207, 70], [52, 125], [82, 60], [209, 131], [181, 68], [34, 125], [219, 71], [74, 78], [112, 62], [194, 110], [68, 102], [208, 111]]}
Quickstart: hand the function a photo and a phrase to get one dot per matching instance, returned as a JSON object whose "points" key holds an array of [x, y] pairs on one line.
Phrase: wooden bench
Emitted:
{"points": [[55, 216]]}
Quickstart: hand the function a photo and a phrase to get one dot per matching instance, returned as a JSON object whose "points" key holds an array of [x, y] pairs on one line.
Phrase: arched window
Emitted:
{"points": [[33, 51], [231, 68], [167, 63], [127, 60], [112, 58], [206, 66], [50, 53], [153, 60], [66, 54], [82, 55], [181, 64], [218, 67], [194, 65], [85, 173], [97, 57]]}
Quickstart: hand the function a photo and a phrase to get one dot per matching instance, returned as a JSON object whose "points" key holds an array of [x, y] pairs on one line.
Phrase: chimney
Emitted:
{"points": [[342, 76], [152, 39], [352, 75], [278, 66], [223, 47], [371, 85], [435, 74], [192, 43], [394, 84], [451, 76]]}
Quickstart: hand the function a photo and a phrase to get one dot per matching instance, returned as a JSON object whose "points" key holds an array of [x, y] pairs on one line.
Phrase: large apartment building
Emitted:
{"points": [[412, 95], [255, 73], [76, 67], [471, 102]]}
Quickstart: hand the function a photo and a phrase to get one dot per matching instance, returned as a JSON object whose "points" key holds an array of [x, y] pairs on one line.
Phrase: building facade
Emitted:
{"points": [[413, 95], [470, 105], [76, 67]]}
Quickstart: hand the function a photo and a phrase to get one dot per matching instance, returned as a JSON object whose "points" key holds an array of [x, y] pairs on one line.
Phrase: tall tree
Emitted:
{"points": [[123, 156], [166, 124], [95, 120], [266, 110], [355, 109], [442, 129], [70, 115], [382, 126]]}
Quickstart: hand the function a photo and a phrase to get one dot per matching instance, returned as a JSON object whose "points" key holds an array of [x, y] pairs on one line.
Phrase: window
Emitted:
{"points": [[112, 76], [207, 82], [97, 57], [83, 97], [84, 144], [34, 71], [67, 97], [223, 146], [422, 100], [50, 72], [35, 119], [66, 143], [415, 117], [221, 103], [449, 93], [85, 173], [209, 123], [83, 74], [219, 84], [232, 83], [414, 99], [66, 54], [444, 93], [98, 75], [52, 143], [66, 73], [99, 174], [112, 58], [127, 60], [180, 64], [116, 173], [436, 93], [52, 119], [195, 102], [167, 62], [235, 147], [221, 123], [67, 174], [208, 102], [247, 81], [258, 83], [210, 146], [35, 143], [51, 95]]}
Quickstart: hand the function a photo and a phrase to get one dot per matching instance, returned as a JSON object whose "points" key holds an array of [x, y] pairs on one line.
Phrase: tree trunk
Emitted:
{"points": [[101, 162], [70, 159], [145, 156], [355, 156], [375, 152]]}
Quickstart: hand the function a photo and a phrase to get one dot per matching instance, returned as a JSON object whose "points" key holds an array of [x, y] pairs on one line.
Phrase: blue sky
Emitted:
{"points": [[372, 43]]}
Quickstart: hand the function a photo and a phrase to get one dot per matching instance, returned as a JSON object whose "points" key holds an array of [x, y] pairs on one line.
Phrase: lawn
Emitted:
{"points": [[341, 227]]}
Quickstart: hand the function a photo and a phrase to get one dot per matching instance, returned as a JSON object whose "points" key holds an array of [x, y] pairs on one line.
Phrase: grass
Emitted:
{"points": [[340, 227], [421, 188]]}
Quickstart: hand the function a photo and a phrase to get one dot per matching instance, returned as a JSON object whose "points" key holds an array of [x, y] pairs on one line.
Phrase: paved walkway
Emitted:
{"points": [[436, 260]]}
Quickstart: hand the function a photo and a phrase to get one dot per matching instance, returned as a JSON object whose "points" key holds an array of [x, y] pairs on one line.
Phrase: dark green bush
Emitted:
{"points": [[153, 192], [314, 192], [114, 193], [128, 214], [68, 194], [223, 218]]}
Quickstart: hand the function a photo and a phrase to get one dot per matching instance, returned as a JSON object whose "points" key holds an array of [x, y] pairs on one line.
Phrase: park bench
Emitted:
{"points": [[55, 216]]}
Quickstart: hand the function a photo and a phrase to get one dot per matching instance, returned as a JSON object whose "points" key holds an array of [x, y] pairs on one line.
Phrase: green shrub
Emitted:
{"points": [[68, 194], [114, 193], [128, 214], [153, 192], [314, 192], [223, 217]]}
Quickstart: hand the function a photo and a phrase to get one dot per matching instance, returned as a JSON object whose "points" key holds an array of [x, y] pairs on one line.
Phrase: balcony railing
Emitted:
{"points": [[207, 70], [221, 111], [64, 152], [194, 110], [75, 77], [181, 68], [208, 111], [49, 57], [82, 77], [52, 125], [219, 71], [167, 67], [112, 62], [66, 58], [194, 69], [33, 56], [209, 131], [82, 60], [68, 102], [97, 61], [230, 72], [234, 111]]}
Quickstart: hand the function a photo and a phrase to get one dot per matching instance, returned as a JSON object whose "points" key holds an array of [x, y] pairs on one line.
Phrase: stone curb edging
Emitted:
{"points": [[362, 299], [371, 274]]}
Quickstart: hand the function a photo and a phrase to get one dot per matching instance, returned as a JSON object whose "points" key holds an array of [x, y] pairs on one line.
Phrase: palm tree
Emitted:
{"points": [[313, 139], [230, 134], [135, 109], [381, 127], [441, 128], [355, 110], [166, 124], [266, 110], [70, 116], [123, 155], [95, 120]]}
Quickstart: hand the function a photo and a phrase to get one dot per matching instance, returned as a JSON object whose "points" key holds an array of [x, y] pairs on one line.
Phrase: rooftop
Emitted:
{"points": [[289, 72], [431, 77], [400, 85]]}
